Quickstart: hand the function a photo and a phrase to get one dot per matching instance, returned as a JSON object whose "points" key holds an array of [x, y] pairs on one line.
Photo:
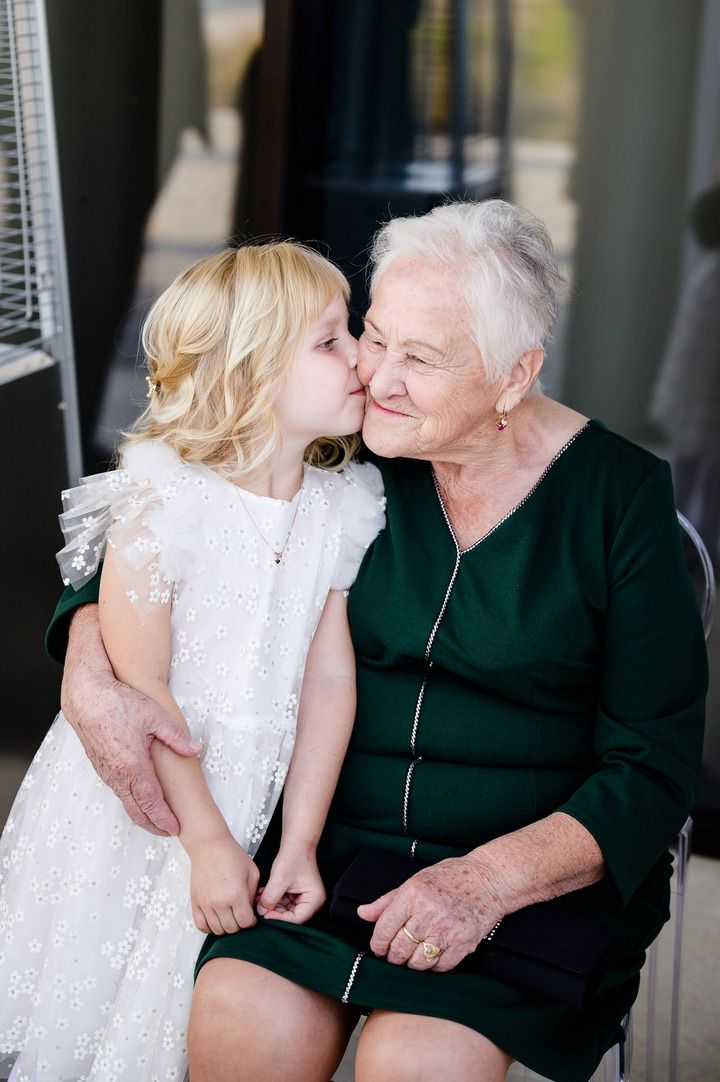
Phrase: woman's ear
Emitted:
{"points": [[522, 376]]}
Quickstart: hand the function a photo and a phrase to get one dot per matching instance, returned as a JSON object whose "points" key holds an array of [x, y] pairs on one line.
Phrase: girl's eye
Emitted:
{"points": [[328, 343]]}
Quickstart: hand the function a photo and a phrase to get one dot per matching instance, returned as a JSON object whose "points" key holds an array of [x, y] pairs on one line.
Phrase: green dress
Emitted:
{"points": [[557, 664]]}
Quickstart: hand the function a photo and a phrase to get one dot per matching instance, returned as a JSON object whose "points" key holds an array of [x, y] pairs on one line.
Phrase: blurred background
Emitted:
{"points": [[183, 125]]}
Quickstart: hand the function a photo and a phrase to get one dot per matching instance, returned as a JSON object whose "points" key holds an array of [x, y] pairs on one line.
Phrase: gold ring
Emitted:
{"points": [[431, 952], [410, 936]]}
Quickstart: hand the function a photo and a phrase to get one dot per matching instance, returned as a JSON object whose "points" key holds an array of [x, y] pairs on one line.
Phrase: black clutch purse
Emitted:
{"points": [[543, 949]]}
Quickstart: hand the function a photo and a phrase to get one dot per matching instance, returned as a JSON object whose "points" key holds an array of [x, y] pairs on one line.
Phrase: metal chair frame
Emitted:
{"points": [[615, 1066]]}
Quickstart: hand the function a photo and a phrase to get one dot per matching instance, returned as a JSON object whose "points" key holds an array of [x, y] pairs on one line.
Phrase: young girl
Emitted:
{"points": [[232, 534]]}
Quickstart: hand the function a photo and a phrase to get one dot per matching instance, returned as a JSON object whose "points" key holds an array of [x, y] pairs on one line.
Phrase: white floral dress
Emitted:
{"points": [[97, 941]]}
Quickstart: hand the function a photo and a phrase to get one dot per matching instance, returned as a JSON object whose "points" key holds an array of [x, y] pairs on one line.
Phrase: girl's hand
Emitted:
{"points": [[223, 886], [294, 891]]}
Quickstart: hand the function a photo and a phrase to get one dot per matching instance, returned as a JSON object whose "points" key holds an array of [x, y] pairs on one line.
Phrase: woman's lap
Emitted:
{"points": [[556, 1041], [250, 1023]]}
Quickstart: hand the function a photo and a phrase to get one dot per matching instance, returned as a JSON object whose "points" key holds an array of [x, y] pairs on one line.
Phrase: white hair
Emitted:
{"points": [[501, 259]]}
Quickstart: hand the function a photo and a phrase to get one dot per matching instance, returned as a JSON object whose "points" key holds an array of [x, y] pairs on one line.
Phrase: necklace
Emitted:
{"points": [[278, 555]]}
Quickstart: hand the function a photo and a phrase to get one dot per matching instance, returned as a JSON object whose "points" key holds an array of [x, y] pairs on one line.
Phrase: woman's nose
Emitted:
{"points": [[385, 379]]}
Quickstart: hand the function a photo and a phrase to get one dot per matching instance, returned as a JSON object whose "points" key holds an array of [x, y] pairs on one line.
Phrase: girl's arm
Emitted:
{"points": [[325, 718], [223, 878], [117, 726]]}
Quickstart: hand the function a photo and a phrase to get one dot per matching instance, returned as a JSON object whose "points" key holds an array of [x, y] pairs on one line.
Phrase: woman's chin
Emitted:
{"points": [[383, 443]]}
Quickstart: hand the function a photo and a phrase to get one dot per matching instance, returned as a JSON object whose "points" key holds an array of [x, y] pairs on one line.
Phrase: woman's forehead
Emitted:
{"points": [[420, 303]]}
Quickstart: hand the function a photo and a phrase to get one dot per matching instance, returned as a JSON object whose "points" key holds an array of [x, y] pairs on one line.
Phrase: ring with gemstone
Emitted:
{"points": [[431, 952]]}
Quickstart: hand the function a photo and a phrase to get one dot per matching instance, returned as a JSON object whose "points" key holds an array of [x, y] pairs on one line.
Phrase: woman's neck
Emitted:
{"points": [[535, 432], [481, 489]]}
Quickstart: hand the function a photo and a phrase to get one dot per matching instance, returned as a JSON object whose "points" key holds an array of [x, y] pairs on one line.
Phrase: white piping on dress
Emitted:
{"points": [[351, 978]]}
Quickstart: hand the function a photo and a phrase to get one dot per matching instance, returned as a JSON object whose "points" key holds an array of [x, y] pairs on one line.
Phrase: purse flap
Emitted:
{"points": [[554, 936]]}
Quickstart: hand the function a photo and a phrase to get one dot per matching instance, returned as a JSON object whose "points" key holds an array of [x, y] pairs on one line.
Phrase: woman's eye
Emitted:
{"points": [[374, 343]]}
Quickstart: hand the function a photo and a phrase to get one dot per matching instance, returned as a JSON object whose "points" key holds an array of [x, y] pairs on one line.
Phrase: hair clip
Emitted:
{"points": [[152, 386]]}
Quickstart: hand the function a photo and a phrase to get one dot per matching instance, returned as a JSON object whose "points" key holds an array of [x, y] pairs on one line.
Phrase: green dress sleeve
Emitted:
{"points": [[653, 681], [56, 636]]}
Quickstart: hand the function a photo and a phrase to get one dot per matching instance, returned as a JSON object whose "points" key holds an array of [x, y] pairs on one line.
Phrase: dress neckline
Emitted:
{"points": [[518, 505], [273, 500]]}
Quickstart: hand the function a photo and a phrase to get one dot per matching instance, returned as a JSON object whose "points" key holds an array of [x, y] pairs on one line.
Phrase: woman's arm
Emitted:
{"points": [[117, 725], [325, 718], [224, 878]]}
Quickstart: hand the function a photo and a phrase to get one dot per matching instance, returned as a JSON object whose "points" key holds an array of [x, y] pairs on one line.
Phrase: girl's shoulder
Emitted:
{"points": [[152, 504], [149, 457], [357, 488], [153, 462], [354, 497], [361, 476]]}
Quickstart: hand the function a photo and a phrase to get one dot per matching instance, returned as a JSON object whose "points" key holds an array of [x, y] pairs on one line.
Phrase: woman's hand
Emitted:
{"points": [[450, 906], [294, 891], [453, 904], [223, 887], [116, 726]]}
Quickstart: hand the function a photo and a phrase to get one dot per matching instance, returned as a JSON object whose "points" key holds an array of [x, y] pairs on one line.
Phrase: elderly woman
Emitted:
{"points": [[531, 673]]}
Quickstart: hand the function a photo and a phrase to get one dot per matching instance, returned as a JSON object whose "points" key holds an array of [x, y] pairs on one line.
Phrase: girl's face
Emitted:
{"points": [[322, 395]]}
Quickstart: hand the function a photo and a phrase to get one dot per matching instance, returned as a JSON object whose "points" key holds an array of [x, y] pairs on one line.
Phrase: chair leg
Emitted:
{"points": [[615, 1064], [684, 839], [658, 1067]]}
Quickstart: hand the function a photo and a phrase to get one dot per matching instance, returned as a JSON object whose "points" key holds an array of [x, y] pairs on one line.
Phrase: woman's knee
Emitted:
{"points": [[415, 1048]]}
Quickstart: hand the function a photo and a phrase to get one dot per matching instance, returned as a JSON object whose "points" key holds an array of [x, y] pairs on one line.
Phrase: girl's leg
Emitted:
{"points": [[250, 1025], [414, 1048]]}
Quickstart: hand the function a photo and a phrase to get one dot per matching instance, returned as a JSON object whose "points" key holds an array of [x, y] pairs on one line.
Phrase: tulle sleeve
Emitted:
{"points": [[147, 512], [362, 510]]}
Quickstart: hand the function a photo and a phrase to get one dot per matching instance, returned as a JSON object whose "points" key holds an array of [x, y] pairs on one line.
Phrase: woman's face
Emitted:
{"points": [[427, 393]]}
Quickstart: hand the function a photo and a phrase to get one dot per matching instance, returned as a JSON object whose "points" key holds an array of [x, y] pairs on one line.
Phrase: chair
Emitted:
{"points": [[615, 1066]]}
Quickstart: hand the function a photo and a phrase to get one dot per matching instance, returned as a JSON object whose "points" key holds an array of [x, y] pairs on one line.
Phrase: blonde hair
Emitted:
{"points": [[218, 344]]}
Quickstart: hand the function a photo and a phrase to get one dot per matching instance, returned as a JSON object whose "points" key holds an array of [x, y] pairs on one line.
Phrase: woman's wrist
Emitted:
{"points": [[551, 857]]}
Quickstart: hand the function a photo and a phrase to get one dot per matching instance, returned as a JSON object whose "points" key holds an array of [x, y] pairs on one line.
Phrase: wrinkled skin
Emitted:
{"points": [[451, 905], [116, 726]]}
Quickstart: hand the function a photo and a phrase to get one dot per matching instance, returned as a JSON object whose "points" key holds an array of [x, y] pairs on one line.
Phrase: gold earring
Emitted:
{"points": [[502, 420]]}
